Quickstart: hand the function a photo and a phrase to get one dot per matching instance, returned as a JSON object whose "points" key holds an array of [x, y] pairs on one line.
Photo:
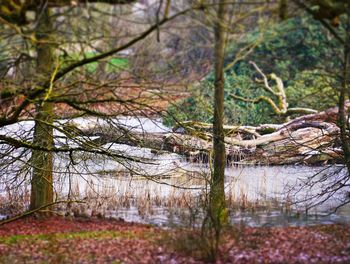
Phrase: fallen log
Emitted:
{"points": [[329, 116], [305, 141], [111, 132], [204, 129], [309, 145]]}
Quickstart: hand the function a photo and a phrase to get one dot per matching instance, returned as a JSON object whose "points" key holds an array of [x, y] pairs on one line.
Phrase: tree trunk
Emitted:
{"points": [[42, 162], [343, 117], [217, 207], [305, 140], [283, 9]]}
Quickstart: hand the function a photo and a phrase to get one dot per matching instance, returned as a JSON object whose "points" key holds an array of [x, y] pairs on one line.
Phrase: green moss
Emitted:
{"points": [[97, 235]]}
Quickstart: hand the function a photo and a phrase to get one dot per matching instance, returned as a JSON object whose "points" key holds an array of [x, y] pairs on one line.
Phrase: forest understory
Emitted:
{"points": [[79, 240]]}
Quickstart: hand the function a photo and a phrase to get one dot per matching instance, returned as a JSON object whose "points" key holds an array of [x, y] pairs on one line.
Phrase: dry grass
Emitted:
{"points": [[104, 198]]}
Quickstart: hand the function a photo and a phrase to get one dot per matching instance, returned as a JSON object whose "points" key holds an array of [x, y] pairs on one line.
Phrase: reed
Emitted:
{"points": [[106, 197]]}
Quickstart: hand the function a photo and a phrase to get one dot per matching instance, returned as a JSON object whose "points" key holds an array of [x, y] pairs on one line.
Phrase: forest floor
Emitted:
{"points": [[63, 240]]}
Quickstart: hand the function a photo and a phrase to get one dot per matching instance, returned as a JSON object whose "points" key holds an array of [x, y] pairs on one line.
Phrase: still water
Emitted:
{"points": [[256, 195], [167, 190]]}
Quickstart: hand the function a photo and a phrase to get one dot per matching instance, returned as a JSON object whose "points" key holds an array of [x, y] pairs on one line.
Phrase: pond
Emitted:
{"points": [[168, 190], [256, 195]]}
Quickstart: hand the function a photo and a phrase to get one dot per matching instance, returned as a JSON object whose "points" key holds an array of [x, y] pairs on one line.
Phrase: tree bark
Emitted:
{"points": [[343, 117], [42, 161], [280, 107], [217, 206], [301, 141]]}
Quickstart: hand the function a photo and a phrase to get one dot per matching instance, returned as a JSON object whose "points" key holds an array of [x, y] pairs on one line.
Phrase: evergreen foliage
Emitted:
{"points": [[299, 50]]}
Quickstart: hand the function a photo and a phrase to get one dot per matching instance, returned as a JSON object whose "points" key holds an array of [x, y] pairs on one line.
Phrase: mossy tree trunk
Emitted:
{"points": [[42, 161], [217, 207], [343, 115]]}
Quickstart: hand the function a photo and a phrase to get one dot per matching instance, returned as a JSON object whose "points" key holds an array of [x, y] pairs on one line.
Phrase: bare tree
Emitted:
{"points": [[58, 81], [335, 17], [278, 93]]}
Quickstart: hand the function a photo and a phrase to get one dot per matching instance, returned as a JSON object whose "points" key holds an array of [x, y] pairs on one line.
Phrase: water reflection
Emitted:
{"points": [[256, 195], [170, 191]]}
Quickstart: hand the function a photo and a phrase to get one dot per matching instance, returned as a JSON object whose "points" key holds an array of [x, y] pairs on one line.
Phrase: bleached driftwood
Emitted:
{"points": [[307, 140]]}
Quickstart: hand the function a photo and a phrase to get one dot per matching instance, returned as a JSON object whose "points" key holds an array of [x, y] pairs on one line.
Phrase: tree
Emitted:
{"points": [[296, 50], [281, 107], [60, 80], [217, 208], [42, 162], [335, 17]]}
